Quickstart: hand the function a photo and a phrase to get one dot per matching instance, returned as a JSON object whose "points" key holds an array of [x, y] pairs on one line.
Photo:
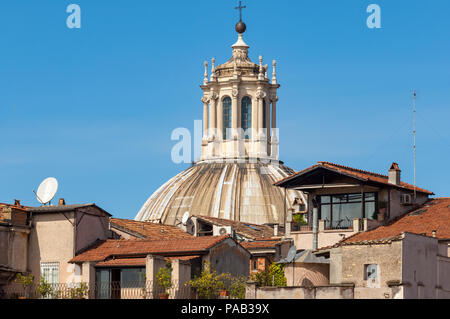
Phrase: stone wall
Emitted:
{"points": [[386, 256], [324, 292]]}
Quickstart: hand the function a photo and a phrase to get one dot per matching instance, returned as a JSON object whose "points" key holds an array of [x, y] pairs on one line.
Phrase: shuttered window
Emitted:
{"points": [[50, 272]]}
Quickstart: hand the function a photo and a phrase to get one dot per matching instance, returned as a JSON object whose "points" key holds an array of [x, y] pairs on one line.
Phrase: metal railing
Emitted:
{"points": [[344, 223], [113, 290]]}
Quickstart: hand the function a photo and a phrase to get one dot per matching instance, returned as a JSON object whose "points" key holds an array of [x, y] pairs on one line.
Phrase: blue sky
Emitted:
{"points": [[95, 107]]}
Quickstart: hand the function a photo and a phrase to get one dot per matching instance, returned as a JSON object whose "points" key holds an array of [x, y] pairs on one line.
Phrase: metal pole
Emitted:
{"points": [[414, 111], [293, 273], [285, 213]]}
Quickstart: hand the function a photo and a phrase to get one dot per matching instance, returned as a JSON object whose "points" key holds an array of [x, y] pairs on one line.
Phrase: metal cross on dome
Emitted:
{"points": [[240, 9]]}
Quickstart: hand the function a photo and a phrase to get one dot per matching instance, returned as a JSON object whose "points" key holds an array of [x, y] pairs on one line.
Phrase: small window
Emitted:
{"points": [[255, 265], [370, 272], [50, 272], [246, 116], [226, 104]]}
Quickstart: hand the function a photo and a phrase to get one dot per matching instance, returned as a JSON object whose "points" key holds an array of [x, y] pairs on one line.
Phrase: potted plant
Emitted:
{"points": [[44, 289], [26, 281], [164, 280], [298, 222], [79, 292]]}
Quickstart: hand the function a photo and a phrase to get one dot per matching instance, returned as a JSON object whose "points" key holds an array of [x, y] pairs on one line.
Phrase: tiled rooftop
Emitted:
{"points": [[356, 173], [260, 244], [432, 216], [149, 230], [247, 230], [121, 262], [137, 247]]}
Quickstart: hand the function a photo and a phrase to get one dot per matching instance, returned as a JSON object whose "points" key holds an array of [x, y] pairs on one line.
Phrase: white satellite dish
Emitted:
{"points": [[47, 190], [185, 218], [291, 254]]}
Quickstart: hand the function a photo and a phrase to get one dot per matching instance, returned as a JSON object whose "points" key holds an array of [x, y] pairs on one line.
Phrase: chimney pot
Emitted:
{"points": [[61, 202], [434, 233], [17, 203], [275, 231]]}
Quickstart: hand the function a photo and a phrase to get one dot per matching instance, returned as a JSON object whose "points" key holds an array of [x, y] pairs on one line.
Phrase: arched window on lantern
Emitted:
{"points": [[246, 116], [264, 114], [226, 104]]}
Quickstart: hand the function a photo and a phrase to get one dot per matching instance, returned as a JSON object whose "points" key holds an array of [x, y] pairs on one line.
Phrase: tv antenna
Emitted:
{"points": [[414, 136], [46, 190]]}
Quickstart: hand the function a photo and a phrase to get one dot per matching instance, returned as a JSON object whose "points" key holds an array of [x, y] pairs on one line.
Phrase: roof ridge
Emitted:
{"points": [[167, 239], [376, 240], [355, 169]]}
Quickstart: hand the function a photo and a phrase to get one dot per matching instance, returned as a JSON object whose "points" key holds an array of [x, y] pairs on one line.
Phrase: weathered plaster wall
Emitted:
{"points": [[419, 266], [301, 274], [90, 226], [52, 240], [229, 257], [443, 278], [397, 209], [13, 247]]}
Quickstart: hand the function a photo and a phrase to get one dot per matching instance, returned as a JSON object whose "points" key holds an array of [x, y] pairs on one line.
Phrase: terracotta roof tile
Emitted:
{"points": [[251, 231], [121, 262], [357, 173], [138, 262], [185, 258], [260, 244], [137, 247], [149, 230], [432, 216]]}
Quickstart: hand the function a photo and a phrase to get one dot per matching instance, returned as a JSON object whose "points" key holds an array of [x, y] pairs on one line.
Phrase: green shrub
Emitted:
{"points": [[298, 219], [208, 284], [237, 287], [164, 276], [44, 289], [26, 281], [274, 277], [79, 292]]}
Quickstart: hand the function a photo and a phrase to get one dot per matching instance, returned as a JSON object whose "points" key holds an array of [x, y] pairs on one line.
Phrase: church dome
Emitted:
{"points": [[239, 162], [242, 192]]}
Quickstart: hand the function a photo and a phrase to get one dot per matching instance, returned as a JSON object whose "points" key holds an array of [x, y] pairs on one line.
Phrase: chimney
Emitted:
{"points": [[275, 230], [394, 174], [17, 203], [61, 202]]}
